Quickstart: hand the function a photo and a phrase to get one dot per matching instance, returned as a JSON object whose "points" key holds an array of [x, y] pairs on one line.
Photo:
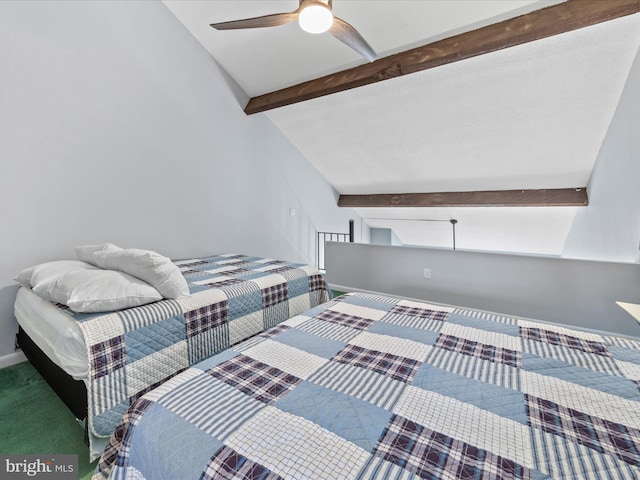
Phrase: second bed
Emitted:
{"points": [[121, 355]]}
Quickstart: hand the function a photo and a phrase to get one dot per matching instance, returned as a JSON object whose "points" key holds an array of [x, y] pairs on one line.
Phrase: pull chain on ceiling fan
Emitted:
{"points": [[314, 16]]}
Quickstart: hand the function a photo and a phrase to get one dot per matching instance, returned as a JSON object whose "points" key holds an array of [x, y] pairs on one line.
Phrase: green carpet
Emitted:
{"points": [[33, 420]]}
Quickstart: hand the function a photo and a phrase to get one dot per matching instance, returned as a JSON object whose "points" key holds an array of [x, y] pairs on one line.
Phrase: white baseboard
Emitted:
{"points": [[12, 359]]}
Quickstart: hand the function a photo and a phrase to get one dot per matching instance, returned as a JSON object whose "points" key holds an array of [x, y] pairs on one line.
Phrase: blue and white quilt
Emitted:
{"points": [[368, 386], [232, 298]]}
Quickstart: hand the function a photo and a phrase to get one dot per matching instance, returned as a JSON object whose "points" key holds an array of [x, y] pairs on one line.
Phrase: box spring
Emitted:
{"points": [[72, 392]]}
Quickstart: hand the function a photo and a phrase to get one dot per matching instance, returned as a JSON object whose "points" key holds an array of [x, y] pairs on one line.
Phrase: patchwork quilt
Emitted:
{"points": [[232, 298], [368, 386]]}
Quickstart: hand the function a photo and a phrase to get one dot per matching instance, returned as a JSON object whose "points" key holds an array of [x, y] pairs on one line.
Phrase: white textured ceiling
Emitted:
{"points": [[262, 60], [529, 117]]}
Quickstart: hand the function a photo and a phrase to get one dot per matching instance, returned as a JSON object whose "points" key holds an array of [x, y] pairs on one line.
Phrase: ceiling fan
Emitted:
{"points": [[314, 16]]}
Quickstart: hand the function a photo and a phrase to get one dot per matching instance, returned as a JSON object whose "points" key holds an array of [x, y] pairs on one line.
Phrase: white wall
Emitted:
{"points": [[116, 125], [609, 228], [573, 292]]}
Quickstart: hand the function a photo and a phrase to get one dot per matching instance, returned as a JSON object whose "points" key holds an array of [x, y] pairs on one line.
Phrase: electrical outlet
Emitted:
{"points": [[292, 212], [427, 273]]}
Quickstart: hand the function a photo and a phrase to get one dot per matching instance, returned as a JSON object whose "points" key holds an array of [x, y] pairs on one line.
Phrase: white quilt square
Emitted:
{"points": [[288, 359], [294, 447]]}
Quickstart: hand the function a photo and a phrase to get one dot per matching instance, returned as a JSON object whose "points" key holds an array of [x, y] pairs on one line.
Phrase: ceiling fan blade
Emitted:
{"points": [[350, 36], [258, 22]]}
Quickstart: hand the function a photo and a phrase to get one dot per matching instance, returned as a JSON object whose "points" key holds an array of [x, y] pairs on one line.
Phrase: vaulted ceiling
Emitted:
{"points": [[529, 117]]}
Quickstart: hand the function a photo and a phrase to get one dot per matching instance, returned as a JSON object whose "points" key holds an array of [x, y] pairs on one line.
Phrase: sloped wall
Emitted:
{"points": [[609, 228], [116, 125]]}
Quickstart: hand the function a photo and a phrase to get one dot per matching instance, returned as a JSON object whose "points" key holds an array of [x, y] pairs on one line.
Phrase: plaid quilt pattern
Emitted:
{"points": [[227, 463], [433, 455], [256, 379], [354, 389], [555, 338], [394, 366], [599, 434], [277, 330], [420, 312], [225, 282], [345, 319], [233, 297], [480, 350], [274, 294], [106, 357], [207, 317], [316, 282], [123, 433]]}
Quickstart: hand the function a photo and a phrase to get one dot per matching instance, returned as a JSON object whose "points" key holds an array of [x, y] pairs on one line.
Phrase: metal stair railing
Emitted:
{"points": [[324, 237]]}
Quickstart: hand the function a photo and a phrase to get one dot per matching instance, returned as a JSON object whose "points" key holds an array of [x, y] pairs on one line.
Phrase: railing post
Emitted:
{"points": [[453, 225], [351, 231]]}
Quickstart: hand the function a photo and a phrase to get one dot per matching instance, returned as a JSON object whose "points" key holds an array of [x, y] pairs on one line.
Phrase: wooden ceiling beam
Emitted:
{"points": [[560, 197], [546, 22]]}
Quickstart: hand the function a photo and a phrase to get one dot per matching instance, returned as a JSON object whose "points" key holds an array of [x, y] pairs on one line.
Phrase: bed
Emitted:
{"points": [[101, 362], [369, 386]]}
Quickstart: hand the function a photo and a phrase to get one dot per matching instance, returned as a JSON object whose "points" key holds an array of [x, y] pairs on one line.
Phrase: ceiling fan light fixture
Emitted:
{"points": [[315, 18]]}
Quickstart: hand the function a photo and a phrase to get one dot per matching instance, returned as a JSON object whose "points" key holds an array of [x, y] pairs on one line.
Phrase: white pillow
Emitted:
{"points": [[96, 290], [29, 277], [158, 271], [85, 252]]}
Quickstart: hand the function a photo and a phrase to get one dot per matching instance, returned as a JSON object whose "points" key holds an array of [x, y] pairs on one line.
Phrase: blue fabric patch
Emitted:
{"points": [[368, 302], [493, 398], [586, 377], [624, 354], [245, 304], [428, 337], [348, 417], [323, 347], [207, 276], [217, 359], [318, 309], [299, 286], [167, 460], [104, 422], [80, 317], [153, 338], [193, 288]]}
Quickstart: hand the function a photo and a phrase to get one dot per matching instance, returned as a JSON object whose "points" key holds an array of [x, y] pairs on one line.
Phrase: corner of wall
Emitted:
{"points": [[12, 359], [609, 228]]}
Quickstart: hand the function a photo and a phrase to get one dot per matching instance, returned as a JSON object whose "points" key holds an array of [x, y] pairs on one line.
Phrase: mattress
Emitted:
{"points": [[368, 386], [54, 331]]}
